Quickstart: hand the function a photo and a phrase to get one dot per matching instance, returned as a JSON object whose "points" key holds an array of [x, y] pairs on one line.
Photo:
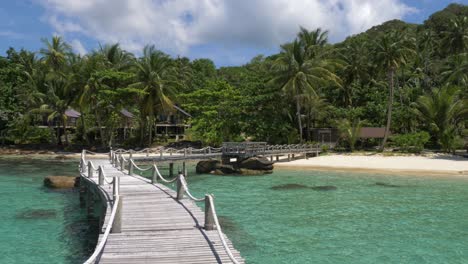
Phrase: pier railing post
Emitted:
{"points": [[101, 176], [147, 152], [117, 225], [160, 153], [171, 169], [90, 170], [180, 188], [209, 219], [131, 154], [121, 162], [130, 167], [154, 179]]}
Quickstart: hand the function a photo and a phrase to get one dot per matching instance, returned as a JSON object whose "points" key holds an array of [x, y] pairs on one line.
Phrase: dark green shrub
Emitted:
{"points": [[412, 142]]}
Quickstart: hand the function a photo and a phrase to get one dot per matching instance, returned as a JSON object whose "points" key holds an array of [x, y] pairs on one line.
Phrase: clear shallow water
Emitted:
{"points": [[419, 220], [38, 225]]}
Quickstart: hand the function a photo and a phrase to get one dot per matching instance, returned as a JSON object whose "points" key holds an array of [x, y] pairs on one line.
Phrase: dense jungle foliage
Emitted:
{"points": [[411, 79]]}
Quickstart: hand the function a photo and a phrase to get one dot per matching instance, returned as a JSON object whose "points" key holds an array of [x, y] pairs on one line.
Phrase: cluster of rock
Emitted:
{"points": [[249, 166]]}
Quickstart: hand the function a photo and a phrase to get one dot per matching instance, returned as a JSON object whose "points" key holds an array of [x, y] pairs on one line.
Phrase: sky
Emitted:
{"points": [[229, 32]]}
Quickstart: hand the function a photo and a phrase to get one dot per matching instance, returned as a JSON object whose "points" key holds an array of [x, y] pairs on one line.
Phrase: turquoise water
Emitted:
{"points": [[38, 225], [402, 219]]}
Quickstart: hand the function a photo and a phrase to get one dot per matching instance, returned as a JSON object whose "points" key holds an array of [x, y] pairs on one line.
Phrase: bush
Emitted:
{"points": [[412, 142]]}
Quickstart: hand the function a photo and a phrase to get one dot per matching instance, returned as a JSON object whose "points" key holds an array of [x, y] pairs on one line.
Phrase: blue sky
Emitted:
{"points": [[226, 31]]}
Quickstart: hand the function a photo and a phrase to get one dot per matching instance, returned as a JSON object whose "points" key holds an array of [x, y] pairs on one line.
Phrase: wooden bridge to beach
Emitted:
{"points": [[143, 221]]}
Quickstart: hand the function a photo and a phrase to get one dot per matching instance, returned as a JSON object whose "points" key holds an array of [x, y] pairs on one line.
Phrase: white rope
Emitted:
{"points": [[103, 242], [161, 177], [220, 231], [139, 168], [184, 185]]}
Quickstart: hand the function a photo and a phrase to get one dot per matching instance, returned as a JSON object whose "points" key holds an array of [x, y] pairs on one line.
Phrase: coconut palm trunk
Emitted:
{"points": [[101, 129], [299, 121], [391, 73]]}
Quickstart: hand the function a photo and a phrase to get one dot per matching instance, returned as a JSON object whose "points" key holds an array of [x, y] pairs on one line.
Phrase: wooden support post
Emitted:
{"points": [[131, 154], [117, 226], [110, 155], [171, 169], [289, 157], [154, 179], [185, 152], [209, 150], [271, 158], [292, 156], [115, 187], [277, 157], [160, 153], [122, 163], [183, 168], [180, 188], [305, 156], [130, 167], [90, 170], [209, 219], [147, 152], [101, 176]]}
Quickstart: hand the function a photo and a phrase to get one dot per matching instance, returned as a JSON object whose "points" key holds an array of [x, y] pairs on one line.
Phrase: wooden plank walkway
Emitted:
{"points": [[157, 228]]}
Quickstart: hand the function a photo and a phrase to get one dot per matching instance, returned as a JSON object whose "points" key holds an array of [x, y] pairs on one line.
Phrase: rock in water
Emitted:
{"points": [[207, 166], [256, 163], [61, 182], [254, 172], [227, 169], [290, 186], [37, 214], [324, 188], [383, 184]]}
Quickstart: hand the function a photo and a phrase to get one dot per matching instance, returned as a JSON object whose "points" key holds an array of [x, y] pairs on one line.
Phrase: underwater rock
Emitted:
{"points": [[37, 214], [324, 188], [289, 186], [248, 172], [383, 184], [294, 186], [61, 182]]}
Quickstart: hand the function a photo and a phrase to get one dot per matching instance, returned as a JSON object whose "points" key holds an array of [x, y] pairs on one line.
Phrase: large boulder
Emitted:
{"points": [[61, 182], [256, 163], [227, 169], [207, 166]]}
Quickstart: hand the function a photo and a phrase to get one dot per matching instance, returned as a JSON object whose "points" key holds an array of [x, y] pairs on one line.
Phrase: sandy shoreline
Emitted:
{"points": [[422, 165]]}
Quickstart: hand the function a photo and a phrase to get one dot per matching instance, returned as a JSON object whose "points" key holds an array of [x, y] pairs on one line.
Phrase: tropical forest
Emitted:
{"points": [[411, 80]]}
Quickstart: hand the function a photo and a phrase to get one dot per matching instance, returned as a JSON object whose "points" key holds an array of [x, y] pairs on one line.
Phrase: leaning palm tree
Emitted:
{"points": [[300, 74], [156, 78], [392, 51], [444, 112]]}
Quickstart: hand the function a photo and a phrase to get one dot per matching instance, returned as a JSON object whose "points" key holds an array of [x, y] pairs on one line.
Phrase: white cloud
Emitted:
{"points": [[177, 25], [78, 47]]}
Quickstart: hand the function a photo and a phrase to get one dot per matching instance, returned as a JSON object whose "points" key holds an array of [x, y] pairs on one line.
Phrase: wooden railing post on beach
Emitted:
{"points": [[154, 179], [130, 167]]}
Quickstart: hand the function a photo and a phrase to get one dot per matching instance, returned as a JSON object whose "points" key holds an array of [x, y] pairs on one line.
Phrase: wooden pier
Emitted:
{"points": [[147, 222]]}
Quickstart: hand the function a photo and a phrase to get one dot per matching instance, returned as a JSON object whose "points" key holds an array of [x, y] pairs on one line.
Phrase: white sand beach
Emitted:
{"points": [[432, 164]]}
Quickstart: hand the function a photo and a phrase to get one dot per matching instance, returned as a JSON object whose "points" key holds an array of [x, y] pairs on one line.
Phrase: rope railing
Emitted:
{"points": [[97, 251], [114, 223], [211, 218]]}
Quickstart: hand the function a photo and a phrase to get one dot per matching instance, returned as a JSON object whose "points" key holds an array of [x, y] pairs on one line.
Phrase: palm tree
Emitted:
{"points": [[55, 53], [455, 71], [115, 57], [156, 78], [299, 72], [392, 51], [350, 131], [444, 113], [455, 38], [355, 68]]}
